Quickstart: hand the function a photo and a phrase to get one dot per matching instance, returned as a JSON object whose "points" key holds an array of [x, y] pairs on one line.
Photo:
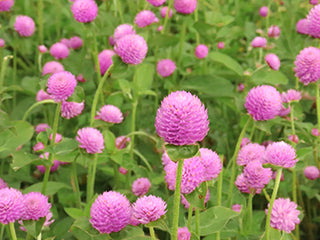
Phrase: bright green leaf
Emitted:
{"points": [[181, 152], [75, 213], [52, 187], [268, 76], [227, 61]]}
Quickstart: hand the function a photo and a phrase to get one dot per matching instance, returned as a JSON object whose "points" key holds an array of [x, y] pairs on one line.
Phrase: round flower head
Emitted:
{"points": [[80, 78], [312, 172], [166, 67], [184, 234], [244, 142], [293, 138], [258, 42], [75, 42], [159, 29], [284, 215], [84, 10], [123, 170], [145, 18], [53, 168], [182, 119], [307, 65], [5, 5], [290, 95], [149, 209], [315, 132], [263, 102], [2, 43], [91, 140], [165, 159], [303, 26], [11, 205], [192, 175], [220, 45], [314, 2], [250, 152], [186, 204], [123, 30], [58, 137], [105, 60], [134, 221], [280, 154], [41, 127], [52, 67], [36, 206], [274, 31], [71, 109], [140, 186], [38, 146], [211, 162], [263, 11], [156, 3], [42, 48], [132, 49], [110, 212], [257, 176], [185, 6], [3, 184], [65, 41], [201, 51], [110, 113], [24, 25], [42, 95], [241, 87], [121, 142], [242, 184], [273, 61], [236, 208], [59, 50], [314, 21], [61, 85], [112, 42], [164, 11]]}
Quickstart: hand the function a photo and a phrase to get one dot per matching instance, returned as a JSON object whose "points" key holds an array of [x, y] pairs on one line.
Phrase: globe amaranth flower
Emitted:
{"points": [[273, 61], [293, 138], [263, 103], [121, 142], [182, 119], [90, 139], [263, 11], [42, 48], [220, 45], [315, 132], [311, 172], [257, 176], [105, 60], [75, 42], [244, 142], [201, 51], [131, 48], [243, 185], [65, 41], [41, 127], [52, 67], [284, 215], [59, 50], [110, 212], [149, 209], [185, 6], [24, 26], [36, 206], [3, 184], [314, 2], [110, 113], [156, 3], [58, 137], [53, 168], [280, 154], [307, 65], [236, 208], [123, 30], [302, 26], [186, 204], [140, 186], [211, 162], [71, 109], [42, 95], [5, 5], [250, 152], [166, 67], [259, 42], [290, 95], [84, 10], [314, 21], [38, 146], [61, 85], [145, 18], [184, 234], [274, 31], [11, 205], [241, 87], [80, 78], [163, 12], [123, 170]]}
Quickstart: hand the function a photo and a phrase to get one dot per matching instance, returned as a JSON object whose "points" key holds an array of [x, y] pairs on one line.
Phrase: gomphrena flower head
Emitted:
{"points": [[121, 142], [274, 31], [71, 109], [52, 67], [165, 159], [145, 18], [220, 45], [59, 50], [123, 170], [307, 65], [244, 142], [110, 212], [186, 204], [149, 209], [38, 146], [84, 10], [166, 67], [263, 103], [311, 172], [90, 139], [263, 11], [182, 119], [57, 139], [293, 138], [315, 132], [61, 85], [110, 113], [257, 176], [24, 25], [201, 51], [36, 206], [65, 41], [273, 61], [140, 186], [156, 3], [185, 6], [259, 42], [314, 21], [5, 5], [41, 127], [75, 42], [314, 2], [105, 60], [131, 48], [3, 184], [236, 208], [280, 154], [42, 95], [53, 168], [250, 152], [211, 162], [123, 30], [42, 48], [11, 205], [284, 215], [2, 42], [184, 234], [290, 95], [164, 11], [242, 184], [303, 26]]}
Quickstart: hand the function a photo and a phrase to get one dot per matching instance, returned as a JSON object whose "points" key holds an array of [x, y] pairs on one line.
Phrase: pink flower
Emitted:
{"points": [[314, 2], [201, 51], [315, 132], [236, 208], [164, 11], [258, 42], [274, 31], [184, 234], [105, 60], [5, 5], [84, 10], [11, 205], [3, 184], [314, 21], [140, 186], [220, 45], [211, 162], [311, 172], [80, 78], [52, 67], [273, 61], [91, 140], [185, 6], [42, 48], [59, 50], [41, 127], [42, 95], [24, 25], [290, 95], [36, 206], [241, 87], [145, 18], [110, 113], [166, 67], [71, 109], [263, 11], [156, 3], [244, 142], [280, 154], [121, 142], [61, 85], [76, 42], [122, 30], [123, 170], [250, 152], [2, 43], [293, 138], [303, 26], [65, 41], [256, 176], [39, 146]]}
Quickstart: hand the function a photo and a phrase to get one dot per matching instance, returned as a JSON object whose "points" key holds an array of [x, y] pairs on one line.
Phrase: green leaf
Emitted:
{"points": [[52, 187], [160, 224], [125, 87], [119, 67], [268, 76], [75, 213], [34, 227], [197, 197], [163, 41], [21, 159], [131, 233], [144, 77], [30, 85], [227, 61], [78, 95], [66, 150], [82, 229], [181, 152], [109, 140]]}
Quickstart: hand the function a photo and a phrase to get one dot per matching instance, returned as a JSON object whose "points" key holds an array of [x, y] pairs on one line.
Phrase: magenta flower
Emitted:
{"points": [[5, 5], [38, 146], [290, 95], [156, 3], [105, 60], [293, 138], [314, 2], [61, 85], [75, 42], [236, 208], [149, 209], [185, 6], [250, 152], [121, 142], [110, 114], [53, 168], [52, 67], [263, 11], [24, 25], [36, 206], [244, 141], [59, 50], [241, 87], [140, 186], [164, 11], [165, 159], [57, 139], [41, 127], [2, 43], [112, 42], [311, 172], [220, 45], [42, 95], [184, 234], [166, 67], [123, 170], [84, 10], [71, 109], [3, 184], [257, 176], [145, 18], [42, 48], [110, 212], [121, 31], [273, 61], [259, 42], [211, 162], [315, 132], [182, 119], [303, 26], [91, 140], [280, 154], [11, 205], [314, 20], [201, 51], [274, 31], [80, 78], [65, 41], [242, 184]]}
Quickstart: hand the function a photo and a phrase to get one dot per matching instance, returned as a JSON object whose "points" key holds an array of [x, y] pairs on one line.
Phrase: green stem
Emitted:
{"points": [[266, 195], [196, 20], [2, 231], [197, 216], [182, 38], [12, 231], [76, 183], [40, 22], [176, 203], [91, 177], [273, 197], [143, 159], [58, 16], [167, 16], [34, 106], [152, 234], [3, 69], [250, 212], [190, 211], [133, 125], [116, 175], [14, 70], [220, 180]]}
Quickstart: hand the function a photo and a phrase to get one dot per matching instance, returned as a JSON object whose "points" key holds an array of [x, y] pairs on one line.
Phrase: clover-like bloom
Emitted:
{"points": [[110, 113], [42, 95], [236, 208], [185, 6], [244, 142], [110, 212], [121, 142], [303, 26], [59, 51], [3, 184], [315, 132], [290, 95], [38, 146], [122, 30], [2, 42], [24, 25], [90, 139], [36, 206], [61, 85], [184, 234], [284, 215], [156, 3], [41, 127], [164, 11], [71, 109], [311, 172], [314, 21], [182, 119], [220, 45], [257, 176], [149, 209], [166, 67], [250, 152], [273, 61], [259, 42], [11, 205], [201, 51], [5, 5], [42, 48], [84, 10], [75, 42], [140, 186], [263, 11], [211, 162], [280, 154], [145, 18], [274, 31], [52, 67], [105, 60]]}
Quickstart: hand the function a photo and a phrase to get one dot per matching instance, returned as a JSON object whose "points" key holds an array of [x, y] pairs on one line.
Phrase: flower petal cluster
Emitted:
{"points": [[24, 25], [259, 42], [257, 176], [59, 51], [84, 10], [52, 67], [145, 18], [90, 139], [166, 67], [290, 95], [274, 31], [123, 30], [273, 61], [61, 85], [185, 6], [140, 186], [11, 205], [156, 3], [163, 12], [211, 162], [5, 5], [303, 26], [105, 60], [42, 95], [314, 22], [184, 234], [75, 42], [3, 184], [250, 152], [41, 127], [110, 113], [71, 109], [121, 142], [201, 51], [36, 206], [311, 172], [263, 11]]}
